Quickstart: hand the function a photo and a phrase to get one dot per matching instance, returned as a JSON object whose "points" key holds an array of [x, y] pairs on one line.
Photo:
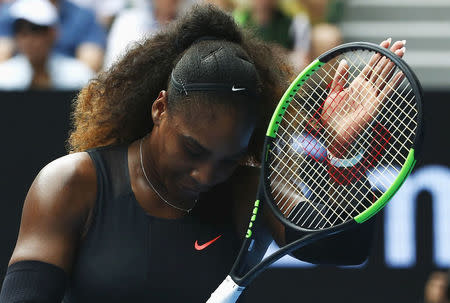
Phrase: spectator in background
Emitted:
{"points": [[323, 11], [105, 10], [324, 36], [6, 43], [35, 66], [273, 25], [138, 23], [437, 288], [324, 14], [225, 5], [80, 35]]}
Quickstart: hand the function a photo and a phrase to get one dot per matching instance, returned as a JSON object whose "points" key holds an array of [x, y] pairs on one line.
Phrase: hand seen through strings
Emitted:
{"points": [[348, 110]]}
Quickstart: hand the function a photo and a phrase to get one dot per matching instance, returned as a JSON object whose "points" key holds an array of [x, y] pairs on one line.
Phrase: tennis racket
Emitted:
{"points": [[341, 142]]}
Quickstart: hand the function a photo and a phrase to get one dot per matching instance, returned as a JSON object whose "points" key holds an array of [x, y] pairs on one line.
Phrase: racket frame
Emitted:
{"points": [[297, 84], [264, 192]]}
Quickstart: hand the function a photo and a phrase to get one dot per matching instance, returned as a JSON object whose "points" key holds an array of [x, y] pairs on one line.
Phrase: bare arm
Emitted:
{"points": [[55, 211]]}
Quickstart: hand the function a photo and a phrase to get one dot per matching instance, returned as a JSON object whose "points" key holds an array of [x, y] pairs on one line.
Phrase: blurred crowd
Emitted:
{"points": [[61, 44], [437, 287]]}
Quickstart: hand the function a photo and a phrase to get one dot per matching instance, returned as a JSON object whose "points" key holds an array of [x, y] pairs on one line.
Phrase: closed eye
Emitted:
{"points": [[192, 153], [192, 148]]}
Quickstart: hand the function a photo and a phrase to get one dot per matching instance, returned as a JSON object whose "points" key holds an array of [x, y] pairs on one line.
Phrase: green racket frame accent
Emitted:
{"points": [[381, 202], [240, 273], [252, 220], [288, 95]]}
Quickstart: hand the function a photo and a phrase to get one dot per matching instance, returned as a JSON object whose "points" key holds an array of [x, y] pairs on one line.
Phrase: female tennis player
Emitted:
{"points": [[151, 204]]}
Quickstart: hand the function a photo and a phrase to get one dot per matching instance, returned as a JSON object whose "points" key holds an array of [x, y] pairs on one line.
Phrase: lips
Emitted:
{"points": [[193, 190]]}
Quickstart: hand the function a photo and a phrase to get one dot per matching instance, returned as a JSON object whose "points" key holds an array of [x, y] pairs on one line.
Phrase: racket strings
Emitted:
{"points": [[399, 95], [319, 195], [292, 173], [296, 191], [400, 120], [310, 181], [343, 197], [335, 70], [289, 210], [320, 202], [354, 148], [291, 118], [365, 141], [352, 74]]}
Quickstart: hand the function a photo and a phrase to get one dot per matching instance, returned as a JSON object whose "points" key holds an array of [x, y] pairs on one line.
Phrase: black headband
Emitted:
{"points": [[216, 87], [206, 38]]}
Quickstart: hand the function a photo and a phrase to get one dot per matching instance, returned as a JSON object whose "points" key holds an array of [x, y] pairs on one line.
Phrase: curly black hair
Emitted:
{"points": [[115, 107]]}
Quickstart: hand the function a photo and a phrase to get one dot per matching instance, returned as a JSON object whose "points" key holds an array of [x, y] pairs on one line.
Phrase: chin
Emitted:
{"points": [[184, 193]]}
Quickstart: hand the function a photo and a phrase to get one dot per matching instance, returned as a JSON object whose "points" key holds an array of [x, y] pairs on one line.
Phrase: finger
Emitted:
{"points": [[374, 59], [381, 64], [386, 43], [378, 68], [340, 77], [385, 75], [366, 72], [384, 61], [392, 85], [397, 45], [400, 52], [388, 71]]}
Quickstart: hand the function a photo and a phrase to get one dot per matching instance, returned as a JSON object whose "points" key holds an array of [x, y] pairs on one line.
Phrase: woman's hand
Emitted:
{"points": [[349, 109]]}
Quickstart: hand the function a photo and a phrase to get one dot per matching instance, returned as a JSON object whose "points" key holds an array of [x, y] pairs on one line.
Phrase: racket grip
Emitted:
{"points": [[227, 292]]}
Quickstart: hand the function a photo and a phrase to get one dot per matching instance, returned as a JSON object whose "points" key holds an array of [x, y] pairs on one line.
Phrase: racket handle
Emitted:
{"points": [[227, 292]]}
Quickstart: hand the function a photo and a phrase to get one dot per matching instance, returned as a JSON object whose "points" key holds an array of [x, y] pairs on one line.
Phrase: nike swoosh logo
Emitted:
{"points": [[236, 89], [203, 246]]}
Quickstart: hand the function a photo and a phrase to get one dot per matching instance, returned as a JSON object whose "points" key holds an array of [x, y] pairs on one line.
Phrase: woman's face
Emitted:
{"points": [[197, 148]]}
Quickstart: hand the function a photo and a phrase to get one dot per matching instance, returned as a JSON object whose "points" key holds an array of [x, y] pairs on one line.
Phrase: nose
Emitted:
{"points": [[206, 174]]}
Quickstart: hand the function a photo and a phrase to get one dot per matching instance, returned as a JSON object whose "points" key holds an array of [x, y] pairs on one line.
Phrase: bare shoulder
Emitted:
{"points": [[68, 183], [55, 211], [69, 173]]}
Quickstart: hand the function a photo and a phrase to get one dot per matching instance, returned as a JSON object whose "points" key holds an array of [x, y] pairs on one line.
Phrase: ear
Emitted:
{"points": [[159, 108]]}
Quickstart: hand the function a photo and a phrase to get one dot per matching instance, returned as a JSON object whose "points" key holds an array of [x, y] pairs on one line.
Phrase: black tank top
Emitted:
{"points": [[131, 256]]}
